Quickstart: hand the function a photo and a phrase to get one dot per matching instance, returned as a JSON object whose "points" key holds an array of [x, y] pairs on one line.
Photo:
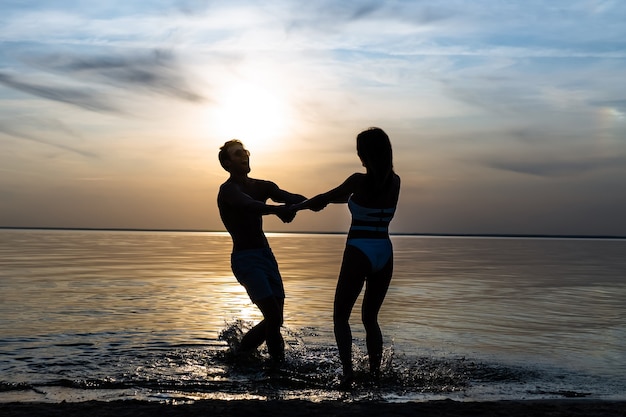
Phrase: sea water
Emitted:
{"points": [[150, 315]]}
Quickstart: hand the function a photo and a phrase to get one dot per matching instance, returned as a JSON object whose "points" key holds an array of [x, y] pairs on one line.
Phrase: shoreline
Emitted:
{"points": [[302, 408]]}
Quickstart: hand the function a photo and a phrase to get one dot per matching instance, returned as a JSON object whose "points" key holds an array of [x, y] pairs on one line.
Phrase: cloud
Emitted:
{"points": [[192, 6], [87, 79], [616, 104], [70, 95], [542, 166], [26, 128], [384, 18], [157, 71], [418, 13]]}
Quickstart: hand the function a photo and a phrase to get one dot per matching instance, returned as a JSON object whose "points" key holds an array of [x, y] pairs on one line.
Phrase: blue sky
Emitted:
{"points": [[505, 116]]}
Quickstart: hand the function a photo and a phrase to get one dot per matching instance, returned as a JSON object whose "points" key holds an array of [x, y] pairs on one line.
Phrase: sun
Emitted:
{"points": [[257, 115]]}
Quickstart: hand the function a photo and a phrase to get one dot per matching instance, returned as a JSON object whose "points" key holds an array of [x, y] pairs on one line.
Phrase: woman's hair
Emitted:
{"points": [[374, 149]]}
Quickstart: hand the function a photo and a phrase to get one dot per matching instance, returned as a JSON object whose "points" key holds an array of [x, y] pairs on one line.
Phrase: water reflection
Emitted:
{"points": [[86, 304]]}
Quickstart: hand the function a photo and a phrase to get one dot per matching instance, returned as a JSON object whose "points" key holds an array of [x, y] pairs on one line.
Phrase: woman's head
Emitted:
{"points": [[374, 148]]}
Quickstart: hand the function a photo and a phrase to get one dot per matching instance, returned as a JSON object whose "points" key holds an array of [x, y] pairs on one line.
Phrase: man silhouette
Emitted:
{"points": [[242, 204]]}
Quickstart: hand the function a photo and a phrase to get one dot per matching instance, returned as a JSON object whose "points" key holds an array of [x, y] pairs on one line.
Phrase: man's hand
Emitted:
{"points": [[285, 213], [310, 205]]}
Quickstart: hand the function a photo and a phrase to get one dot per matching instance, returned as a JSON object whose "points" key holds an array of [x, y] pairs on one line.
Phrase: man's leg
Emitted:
{"points": [[253, 338], [272, 309]]}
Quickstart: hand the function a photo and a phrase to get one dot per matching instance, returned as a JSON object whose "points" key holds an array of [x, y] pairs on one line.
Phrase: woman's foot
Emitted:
{"points": [[375, 374]]}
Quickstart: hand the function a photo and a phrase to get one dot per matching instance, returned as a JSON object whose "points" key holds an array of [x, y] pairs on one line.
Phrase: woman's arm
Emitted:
{"points": [[339, 194]]}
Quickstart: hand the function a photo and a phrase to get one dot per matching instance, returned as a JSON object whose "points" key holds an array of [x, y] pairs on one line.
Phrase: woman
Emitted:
{"points": [[368, 257]]}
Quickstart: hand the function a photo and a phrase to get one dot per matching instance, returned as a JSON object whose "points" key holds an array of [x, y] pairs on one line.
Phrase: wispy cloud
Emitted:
{"points": [[156, 71], [85, 80], [71, 95], [43, 130], [619, 105], [542, 166]]}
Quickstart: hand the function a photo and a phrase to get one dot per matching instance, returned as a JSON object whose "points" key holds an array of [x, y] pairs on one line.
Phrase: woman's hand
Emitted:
{"points": [[310, 204]]}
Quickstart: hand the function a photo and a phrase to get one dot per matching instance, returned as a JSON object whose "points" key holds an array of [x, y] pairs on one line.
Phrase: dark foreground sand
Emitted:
{"points": [[552, 408]]}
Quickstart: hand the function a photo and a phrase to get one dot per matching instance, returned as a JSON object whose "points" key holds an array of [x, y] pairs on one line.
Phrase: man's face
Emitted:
{"points": [[239, 162]]}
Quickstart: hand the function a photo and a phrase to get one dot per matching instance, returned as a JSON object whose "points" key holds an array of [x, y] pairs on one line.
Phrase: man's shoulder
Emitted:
{"points": [[260, 181], [228, 188], [254, 181], [253, 185], [227, 185], [265, 185]]}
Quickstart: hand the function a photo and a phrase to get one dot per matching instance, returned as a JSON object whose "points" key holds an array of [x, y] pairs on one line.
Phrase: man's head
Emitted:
{"points": [[233, 155]]}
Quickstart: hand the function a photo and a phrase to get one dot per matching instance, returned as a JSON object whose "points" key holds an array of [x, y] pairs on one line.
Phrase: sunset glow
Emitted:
{"points": [[251, 113], [505, 117]]}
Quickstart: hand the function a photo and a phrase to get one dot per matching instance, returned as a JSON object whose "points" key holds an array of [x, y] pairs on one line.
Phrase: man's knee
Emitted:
{"points": [[271, 308]]}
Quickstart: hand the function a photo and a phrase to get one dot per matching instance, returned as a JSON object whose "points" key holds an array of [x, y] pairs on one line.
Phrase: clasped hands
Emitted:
{"points": [[287, 213]]}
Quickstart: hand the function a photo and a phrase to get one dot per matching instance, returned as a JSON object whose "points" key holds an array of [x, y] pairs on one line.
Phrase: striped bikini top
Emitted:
{"points": [[369, 223]]}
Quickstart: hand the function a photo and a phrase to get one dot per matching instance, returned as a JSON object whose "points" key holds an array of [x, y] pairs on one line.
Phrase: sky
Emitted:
{"points": [[506, 117]]}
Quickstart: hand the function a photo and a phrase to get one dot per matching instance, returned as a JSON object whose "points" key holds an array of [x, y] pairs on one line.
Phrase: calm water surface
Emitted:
{"points": [[108, 315]]}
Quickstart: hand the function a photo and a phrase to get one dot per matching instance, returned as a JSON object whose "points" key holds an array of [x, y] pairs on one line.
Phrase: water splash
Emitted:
{"points": [[316, 367], [312, 370]]}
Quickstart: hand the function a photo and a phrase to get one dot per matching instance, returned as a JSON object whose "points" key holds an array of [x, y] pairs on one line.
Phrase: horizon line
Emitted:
{"points": [[494, 235]]}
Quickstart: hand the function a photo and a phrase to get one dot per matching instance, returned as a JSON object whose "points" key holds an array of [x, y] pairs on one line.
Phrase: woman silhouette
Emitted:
{"points": [[368, 256]]}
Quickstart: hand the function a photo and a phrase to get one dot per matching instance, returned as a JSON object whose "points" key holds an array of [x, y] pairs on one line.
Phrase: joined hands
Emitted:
{"points": [[309, 204], [285, 213], [288, 212]]}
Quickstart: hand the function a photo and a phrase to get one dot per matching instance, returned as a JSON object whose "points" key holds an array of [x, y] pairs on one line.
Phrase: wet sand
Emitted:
{"points": [[297, 408]]}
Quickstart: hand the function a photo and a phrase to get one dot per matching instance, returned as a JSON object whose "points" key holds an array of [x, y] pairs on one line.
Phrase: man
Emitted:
{"points": [[242, 203]]}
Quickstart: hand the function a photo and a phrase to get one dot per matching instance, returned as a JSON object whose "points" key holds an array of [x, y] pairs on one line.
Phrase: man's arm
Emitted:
{"points": [[232, 195], [281, 196]]}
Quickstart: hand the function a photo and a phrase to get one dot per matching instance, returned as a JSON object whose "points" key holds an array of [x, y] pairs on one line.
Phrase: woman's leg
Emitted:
{"points": [[375, 292], [351, 278]]}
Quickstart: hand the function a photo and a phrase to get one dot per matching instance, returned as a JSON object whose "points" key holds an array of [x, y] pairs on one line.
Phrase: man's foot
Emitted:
{"points": [[273, 366], [244, 357], [347, 381], [276, 360]]}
